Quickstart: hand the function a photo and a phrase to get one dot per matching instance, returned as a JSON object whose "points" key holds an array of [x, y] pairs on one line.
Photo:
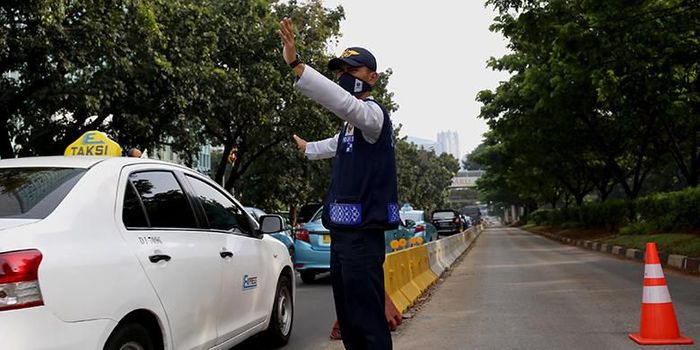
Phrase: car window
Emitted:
{"points": [[165, 202], [307, 212], [132, 212], [317, 216], [220, 211], [33, 193], [443, 215]]}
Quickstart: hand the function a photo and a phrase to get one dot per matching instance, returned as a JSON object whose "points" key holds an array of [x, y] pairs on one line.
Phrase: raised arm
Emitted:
{"points": [[319, 149]]}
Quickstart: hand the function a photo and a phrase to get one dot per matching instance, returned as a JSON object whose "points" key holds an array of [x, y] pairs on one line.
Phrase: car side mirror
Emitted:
{"points": [[271, 223]]}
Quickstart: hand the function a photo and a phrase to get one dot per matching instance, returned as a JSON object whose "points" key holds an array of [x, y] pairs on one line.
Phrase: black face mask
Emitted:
{"points": [[353, 84]]}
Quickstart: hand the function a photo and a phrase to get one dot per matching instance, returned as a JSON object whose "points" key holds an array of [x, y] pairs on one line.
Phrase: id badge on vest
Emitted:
{"points": [[348, 138]]}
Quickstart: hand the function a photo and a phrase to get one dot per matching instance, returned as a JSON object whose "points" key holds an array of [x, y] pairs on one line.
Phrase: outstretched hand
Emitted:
{"points": [[286, 32], [301, 143]]}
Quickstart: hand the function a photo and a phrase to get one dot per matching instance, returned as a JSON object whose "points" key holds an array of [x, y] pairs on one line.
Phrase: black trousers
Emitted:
{"points": [[357, 276]]}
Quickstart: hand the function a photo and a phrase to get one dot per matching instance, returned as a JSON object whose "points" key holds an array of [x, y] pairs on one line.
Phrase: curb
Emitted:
{"points": [[679, 262]]}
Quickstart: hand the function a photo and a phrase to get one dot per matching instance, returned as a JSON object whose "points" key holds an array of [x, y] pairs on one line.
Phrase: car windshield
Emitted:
{"points": [[33, 193], [414, 215], [307, 211], [443, 215], [317, 216]]}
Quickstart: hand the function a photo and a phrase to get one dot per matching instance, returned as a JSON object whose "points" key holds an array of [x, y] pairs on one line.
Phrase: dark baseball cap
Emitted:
{"points": [[356, 57]]}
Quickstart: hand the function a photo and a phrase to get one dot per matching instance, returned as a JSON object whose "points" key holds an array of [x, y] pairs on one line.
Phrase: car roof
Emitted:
{"points": [[84, 162], [52, 161]]}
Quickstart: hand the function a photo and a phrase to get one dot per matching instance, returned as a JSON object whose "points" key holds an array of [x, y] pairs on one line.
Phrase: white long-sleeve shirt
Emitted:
{"points": [[364, 115]]}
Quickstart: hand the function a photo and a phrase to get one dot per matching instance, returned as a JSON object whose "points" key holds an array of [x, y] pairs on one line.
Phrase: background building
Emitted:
{"points": [[428, 145], [448, 142]]}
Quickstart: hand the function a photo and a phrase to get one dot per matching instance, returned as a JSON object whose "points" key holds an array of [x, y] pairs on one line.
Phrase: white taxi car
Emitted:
{"points": [[128, 253]]}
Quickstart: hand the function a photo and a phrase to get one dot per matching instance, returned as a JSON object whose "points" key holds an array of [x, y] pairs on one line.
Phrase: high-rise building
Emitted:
{"points": [[448, 142], [428, 145]]}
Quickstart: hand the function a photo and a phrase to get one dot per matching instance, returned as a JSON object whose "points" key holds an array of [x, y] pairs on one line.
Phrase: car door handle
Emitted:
{"points": [[226, 254], [158, 257]]}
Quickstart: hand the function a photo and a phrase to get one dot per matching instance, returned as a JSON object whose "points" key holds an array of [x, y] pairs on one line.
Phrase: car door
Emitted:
{"points": [[244, 276], [181, 260]]}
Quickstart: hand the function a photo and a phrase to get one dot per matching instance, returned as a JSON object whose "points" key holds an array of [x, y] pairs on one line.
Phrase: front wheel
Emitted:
{"points": [[282, 318], [130, 336], [307, 277]]}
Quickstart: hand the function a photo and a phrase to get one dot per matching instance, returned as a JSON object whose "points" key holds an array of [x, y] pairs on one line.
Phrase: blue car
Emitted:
{"points": [[414, 221], [285, 236], [312, 246]]}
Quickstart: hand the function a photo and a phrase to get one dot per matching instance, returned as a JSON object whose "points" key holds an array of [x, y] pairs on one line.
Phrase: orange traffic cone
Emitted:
{"points": [[658, 325]]}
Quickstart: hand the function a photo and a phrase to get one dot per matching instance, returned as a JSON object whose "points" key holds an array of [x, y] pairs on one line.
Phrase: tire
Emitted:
{"points": [[130, 336], [282, 318], [307, 277]]}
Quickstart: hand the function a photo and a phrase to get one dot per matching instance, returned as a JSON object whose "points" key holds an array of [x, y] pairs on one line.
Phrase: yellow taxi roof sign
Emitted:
{"points": [[93, 143]]}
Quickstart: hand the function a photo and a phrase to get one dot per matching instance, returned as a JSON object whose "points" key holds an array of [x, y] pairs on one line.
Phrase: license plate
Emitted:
{"points": [[326, 239]]}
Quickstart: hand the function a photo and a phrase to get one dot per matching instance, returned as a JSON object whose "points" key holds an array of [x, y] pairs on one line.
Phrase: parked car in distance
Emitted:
{"points": [[285, 236], [414, 221], [473, 212], [466, 221], [447, 222]]}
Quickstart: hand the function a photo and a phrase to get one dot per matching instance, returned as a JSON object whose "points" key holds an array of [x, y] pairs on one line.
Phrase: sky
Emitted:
{"points": [[438, 51]]}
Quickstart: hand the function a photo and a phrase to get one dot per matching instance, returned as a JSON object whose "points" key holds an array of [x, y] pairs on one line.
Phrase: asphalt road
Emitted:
{"points": [[516, 290], [313, 319]]}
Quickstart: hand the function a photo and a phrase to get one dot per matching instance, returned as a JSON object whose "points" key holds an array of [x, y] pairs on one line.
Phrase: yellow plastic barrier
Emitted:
{"points": [[407, 285], [392, 284], [409, 272]]}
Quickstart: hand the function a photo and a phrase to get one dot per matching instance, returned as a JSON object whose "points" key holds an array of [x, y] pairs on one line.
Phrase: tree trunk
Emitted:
{"points": [[6, 150], [293, 214], [221, 168]]}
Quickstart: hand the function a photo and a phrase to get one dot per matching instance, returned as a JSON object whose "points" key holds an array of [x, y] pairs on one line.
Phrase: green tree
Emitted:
{"points": [[252, 105], [126, 67], [469, 162], [600, 94], [423, 177]]}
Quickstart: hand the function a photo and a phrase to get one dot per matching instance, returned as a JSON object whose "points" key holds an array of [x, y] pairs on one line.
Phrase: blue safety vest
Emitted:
{"points": [[363, 190]]}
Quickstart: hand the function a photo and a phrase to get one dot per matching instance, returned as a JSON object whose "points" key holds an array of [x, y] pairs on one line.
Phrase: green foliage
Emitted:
{"points": [[602, 95], [423, 177], [151, 72], [470, 163], [671, 243], [637, 228], [671, 211], [541, 217], [662, 212]]}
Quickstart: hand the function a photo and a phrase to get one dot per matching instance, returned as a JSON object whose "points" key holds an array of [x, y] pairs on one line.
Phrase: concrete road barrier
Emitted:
{"points": [[408, 273]]}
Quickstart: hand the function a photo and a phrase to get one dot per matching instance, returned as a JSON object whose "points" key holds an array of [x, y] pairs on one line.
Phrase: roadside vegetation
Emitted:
{"points": [[596, 131]]}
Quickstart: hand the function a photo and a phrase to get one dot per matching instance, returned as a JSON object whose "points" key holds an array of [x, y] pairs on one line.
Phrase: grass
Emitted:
{"points": [[671, 243]]}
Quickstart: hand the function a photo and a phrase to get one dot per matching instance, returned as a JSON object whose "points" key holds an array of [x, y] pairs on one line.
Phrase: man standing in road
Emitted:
{"points": [[361, 202]]}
